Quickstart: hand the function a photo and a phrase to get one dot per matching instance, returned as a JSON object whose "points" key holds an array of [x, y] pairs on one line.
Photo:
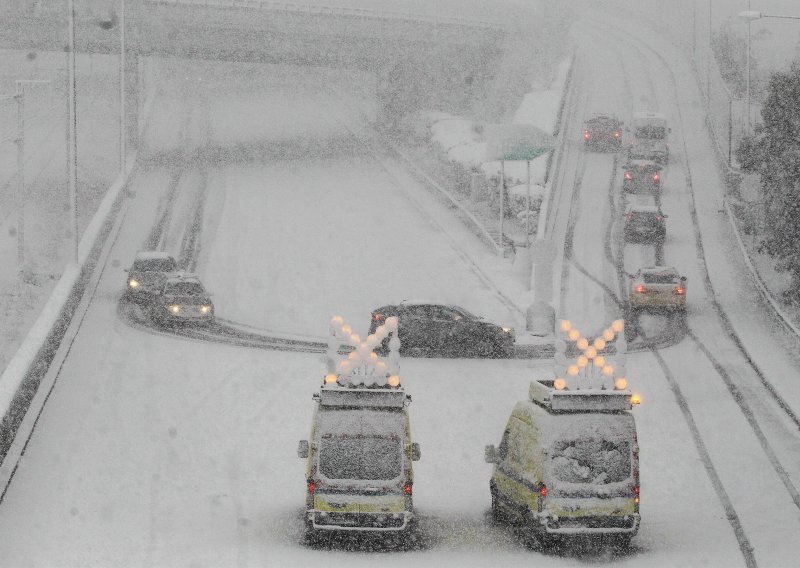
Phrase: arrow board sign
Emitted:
{"points": [[516, 142]]}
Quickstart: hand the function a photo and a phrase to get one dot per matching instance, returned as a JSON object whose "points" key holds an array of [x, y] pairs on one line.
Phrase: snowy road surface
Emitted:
{"points": [[159, 451]]}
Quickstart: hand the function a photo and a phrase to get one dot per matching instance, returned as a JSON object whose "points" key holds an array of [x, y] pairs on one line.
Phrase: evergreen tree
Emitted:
{"points": [[774, 153]]}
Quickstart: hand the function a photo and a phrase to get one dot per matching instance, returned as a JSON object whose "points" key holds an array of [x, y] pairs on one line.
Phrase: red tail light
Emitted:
{"points": [[311, 486], [659, 218], [641, 289], [407, 488], [628, 175], [586, 135], [542, 490], [680, 290], [656, 177], [616, 134], [378, 317], [630, 216], [636, 495]]}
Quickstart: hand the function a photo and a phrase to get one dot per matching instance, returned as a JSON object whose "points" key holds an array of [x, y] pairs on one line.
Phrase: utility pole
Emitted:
{"points": [[20, 98], [122, 121], [72, 158]]}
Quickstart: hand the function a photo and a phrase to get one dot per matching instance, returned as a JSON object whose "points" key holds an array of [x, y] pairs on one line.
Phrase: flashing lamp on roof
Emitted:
{"points": [[588, 369], [362, 366]]}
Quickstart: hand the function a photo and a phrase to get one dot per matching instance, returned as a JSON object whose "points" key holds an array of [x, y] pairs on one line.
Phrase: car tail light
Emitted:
{"points": [[586, 135], [616, 134], [407, 488], [680, 290], [656, 177], [636, 495], [378, 317], [628, 175], [311, 486], [630, 216], [659, 218], [542, 490], [641, 289]]}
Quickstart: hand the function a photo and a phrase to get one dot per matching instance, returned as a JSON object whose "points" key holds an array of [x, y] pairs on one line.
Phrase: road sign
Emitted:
{"points": [[516, 142]]}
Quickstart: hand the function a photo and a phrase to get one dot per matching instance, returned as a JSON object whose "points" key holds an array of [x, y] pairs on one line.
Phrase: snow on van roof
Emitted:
{"points": [[152, 255], [360, 422]]}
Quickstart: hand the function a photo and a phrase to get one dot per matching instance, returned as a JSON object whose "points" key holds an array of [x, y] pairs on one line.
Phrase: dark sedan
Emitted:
{"points": [[183, 299], [641, 175], [602, 132], [147, 275], [445, 330]]}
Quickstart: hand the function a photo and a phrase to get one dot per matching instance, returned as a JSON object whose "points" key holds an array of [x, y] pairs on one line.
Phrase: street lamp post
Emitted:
{"points": [[751, 16], [122, 133], [72, 158]]}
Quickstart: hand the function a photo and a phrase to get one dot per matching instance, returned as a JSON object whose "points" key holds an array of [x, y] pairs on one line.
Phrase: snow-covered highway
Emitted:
{"points": [[160, 451]]}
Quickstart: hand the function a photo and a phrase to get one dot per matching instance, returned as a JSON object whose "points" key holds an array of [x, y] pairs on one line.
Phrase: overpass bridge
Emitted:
{"points": [[404, 50], [242, 30]]}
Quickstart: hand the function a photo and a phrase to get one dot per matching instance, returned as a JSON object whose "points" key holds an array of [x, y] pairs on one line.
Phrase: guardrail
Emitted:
{"points": [[336, 10]]}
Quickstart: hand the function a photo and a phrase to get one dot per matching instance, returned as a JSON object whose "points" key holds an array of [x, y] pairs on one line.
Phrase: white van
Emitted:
{"points": [[650, 134], [568, 464]]}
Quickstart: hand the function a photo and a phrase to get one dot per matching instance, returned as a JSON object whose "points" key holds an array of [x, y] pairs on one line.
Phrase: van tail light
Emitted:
{"points": [[641, 289], [311, 486], [659, 218], [629, 175], [586, 135], [543, 491], [636, 497], [656, 178], [407, 488], [680, 290], [630, 216], [378, 317]]}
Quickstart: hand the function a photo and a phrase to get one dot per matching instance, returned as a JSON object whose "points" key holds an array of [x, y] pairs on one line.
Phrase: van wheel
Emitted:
{"points": [[497, 515], [310, 536], [621, 541]]}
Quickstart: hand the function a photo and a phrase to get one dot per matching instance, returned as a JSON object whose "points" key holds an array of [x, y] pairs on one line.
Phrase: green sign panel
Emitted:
{"points": [[522, 142]]}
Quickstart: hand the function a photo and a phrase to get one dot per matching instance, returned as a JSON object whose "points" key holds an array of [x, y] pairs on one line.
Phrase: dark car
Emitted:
{"points": [[183, 299], [148, 273], [435, 329], [602, 132], [641, 175], [645, 223]]}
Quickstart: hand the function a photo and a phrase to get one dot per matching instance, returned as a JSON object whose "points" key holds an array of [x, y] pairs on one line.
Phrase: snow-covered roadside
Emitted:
{"points": [[41, 338], [461, 139]]}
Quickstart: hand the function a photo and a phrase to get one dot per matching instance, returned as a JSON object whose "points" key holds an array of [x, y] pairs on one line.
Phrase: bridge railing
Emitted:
{"points": [[334, 9]]}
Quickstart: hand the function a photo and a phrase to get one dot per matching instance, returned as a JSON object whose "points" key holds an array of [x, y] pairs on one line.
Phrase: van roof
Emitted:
{"points": [[153, 255], [645, 115]]}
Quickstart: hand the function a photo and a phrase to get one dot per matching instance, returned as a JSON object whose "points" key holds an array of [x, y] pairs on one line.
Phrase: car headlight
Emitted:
{"points": [[133, 283], [205, 309], [508, 329], [174, 308]]}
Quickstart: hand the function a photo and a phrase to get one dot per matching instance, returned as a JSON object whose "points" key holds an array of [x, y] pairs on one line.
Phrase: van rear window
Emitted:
{"points": [[360, 457], [594, 462], [659, 278], [651, 132]]}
